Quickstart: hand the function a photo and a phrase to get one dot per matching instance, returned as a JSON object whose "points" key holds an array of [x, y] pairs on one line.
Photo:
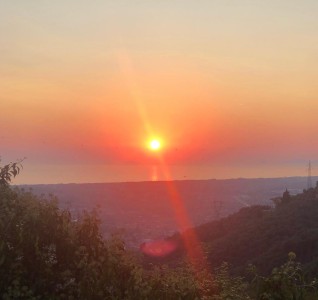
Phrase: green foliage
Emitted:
{"points": [[231, 287], [9, 171], [47, 254], [284, 283], [168, 283]]}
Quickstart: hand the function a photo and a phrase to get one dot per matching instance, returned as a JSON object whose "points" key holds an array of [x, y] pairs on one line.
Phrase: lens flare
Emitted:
{"points": [[160, 248]]}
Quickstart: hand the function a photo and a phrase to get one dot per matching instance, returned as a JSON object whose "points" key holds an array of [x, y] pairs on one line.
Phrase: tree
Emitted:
{"points": [[46, 254], [284, 283], [9, 171]]}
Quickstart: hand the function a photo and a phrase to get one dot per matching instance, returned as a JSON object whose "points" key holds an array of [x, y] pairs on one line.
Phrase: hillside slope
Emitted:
{"points": [[263, 236]]}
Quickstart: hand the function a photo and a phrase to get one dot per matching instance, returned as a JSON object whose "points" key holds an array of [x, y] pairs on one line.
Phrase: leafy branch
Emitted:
{"points": [[10, 171]]}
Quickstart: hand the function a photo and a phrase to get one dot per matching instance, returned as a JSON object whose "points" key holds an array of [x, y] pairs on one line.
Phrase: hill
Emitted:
{"points": [[263, 235], [143, 211]]}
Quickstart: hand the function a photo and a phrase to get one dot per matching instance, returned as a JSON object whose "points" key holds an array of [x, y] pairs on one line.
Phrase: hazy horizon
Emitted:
{"points": [[110, 174]]}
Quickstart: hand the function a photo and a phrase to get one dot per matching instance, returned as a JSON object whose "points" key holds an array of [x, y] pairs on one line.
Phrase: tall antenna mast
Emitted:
{"points": [[309, 185]]}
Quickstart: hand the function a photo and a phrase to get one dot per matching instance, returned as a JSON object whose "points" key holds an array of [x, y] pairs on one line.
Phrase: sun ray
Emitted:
{"points": [[191, 242]]}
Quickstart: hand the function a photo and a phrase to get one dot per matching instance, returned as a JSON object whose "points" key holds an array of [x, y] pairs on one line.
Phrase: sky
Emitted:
{"points": [[229, 87]]}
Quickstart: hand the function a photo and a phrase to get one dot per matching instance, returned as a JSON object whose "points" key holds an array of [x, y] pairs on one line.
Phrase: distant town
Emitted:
{"points": [[141, 211]]}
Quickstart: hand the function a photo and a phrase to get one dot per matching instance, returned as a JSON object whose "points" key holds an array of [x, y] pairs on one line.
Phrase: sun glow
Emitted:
{"points": [[155, 144]]}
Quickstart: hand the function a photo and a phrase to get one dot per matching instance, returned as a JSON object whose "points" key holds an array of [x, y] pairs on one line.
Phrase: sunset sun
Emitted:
{"points": [[154, 145]]}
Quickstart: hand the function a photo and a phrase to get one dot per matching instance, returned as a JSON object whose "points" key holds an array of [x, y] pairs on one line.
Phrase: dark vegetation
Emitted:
{"points": [[262, 235], [46, 254]]}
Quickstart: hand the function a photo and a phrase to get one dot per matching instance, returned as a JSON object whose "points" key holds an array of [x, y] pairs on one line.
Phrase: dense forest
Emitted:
{"points": [[46, 254]]}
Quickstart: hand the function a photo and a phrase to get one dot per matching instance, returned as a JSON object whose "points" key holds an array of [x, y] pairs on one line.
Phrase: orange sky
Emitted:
{"points": [[230, 88]]}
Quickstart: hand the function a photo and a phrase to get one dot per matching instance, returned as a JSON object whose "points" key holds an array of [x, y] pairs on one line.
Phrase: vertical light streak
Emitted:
{"points": [[191, 242]]}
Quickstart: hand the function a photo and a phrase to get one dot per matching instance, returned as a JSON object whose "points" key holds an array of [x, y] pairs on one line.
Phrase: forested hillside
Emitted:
{"points": [[263, 235], [46, 254]]}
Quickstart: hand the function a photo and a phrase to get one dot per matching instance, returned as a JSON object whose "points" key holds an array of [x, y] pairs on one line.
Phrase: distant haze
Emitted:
{"points": [[145, 210]]}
